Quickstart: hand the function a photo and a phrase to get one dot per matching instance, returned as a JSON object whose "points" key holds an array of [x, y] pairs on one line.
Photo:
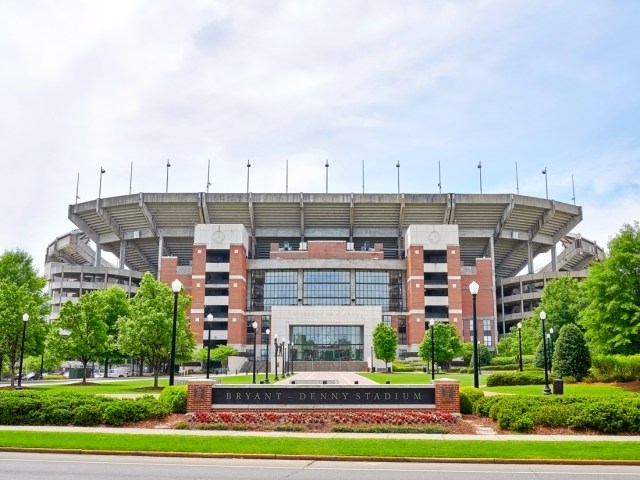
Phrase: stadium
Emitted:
{"points": [[321, 270]]}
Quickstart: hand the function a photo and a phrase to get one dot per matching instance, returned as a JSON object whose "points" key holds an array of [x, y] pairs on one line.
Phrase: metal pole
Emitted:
{"points": [[398, 167], [287, 177], [255, 334], [172, 360], [439, 178], [573, 188], [546, 185], [208, 172], [78, 185], [167, 186], [480, 168], [248, 167], [476, 363], [275, 355], [327, 177], [520, 343], [517, 182], [25, 318], [266, 378], [546, 389], [208, 355], [284, 357], [130, 177], [362, 176], [102, 170], [433, 350]]}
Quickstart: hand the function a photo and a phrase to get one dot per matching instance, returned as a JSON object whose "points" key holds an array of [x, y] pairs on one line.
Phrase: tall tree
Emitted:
{"points": [[115, 304], [80, 332], [446, 345], [612, 316], [385, 343], [571, 356], [147, 331], [21, 291], [222, 353]]}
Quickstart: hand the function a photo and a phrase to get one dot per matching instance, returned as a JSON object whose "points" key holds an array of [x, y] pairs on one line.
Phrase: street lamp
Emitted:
{"points": [[546, 390], [474, 288], [25, 319], [520, 343], [255, 328], [268, 332], [275, 357], [432, 325], [550, 338], [290, 346], [176, 286], [284, 357], [209, 319]]}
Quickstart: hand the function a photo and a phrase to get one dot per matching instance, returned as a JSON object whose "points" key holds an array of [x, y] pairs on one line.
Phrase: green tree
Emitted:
{"points": [[222, 353], [483, 353], [115, 304], [146, 332], [21, 291], [446, 345], [385, 343], [80, 332], [612, 316], [571, 356]]}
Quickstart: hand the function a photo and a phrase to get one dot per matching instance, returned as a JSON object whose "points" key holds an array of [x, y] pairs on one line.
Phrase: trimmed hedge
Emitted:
{"points": [[523, 413], [65, 408], [526, 360], [176, 397], [615, 368], [468, 396], [517, 378]]}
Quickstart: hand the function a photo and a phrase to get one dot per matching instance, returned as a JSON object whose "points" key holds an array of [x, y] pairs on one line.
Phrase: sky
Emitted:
{"points": [[128, 85]]}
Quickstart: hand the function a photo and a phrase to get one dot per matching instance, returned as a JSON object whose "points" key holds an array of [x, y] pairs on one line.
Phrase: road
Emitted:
{"points": [[34, 466]]}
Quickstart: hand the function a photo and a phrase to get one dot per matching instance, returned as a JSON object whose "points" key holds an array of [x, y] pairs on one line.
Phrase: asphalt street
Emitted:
{"points": [[35, 466]]}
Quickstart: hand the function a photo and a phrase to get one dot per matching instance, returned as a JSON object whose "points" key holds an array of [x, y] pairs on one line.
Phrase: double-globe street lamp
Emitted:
{"points": [[474, 288], [25, 319], [432, 326], [291, 354], [546, 390], [550, 338], [176, 286], [520, 344], [255, 333], [284, 356]]}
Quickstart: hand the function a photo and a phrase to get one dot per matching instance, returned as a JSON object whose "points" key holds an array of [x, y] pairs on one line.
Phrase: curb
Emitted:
{"points": [[253, 456]]}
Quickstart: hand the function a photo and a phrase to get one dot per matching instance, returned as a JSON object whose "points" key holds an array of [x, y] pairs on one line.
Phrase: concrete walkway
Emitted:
{"points": [[342, 378]]}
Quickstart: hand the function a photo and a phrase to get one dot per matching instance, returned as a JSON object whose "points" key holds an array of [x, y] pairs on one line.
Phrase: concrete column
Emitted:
{"points": [[502, 307], [98, 256], [123, 252], [530, 256], [493, 289], [554, 258], [160, 249]]}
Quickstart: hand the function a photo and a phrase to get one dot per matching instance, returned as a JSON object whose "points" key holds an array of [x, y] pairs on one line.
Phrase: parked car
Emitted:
{"points": [[29, 376], [118, 372]]}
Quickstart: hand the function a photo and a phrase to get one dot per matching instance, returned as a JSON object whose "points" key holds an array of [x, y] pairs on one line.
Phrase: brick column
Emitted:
{"points": [[447, 395], [199, 396]]}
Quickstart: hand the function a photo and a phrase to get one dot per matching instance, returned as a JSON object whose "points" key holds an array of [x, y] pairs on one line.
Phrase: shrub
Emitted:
{"points": [[176, 397], [571, 355], [500, 368], [498, 361], [468, 396], [616, 368], [517, 378]]}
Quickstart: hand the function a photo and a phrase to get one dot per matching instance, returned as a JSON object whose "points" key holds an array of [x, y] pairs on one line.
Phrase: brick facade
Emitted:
{"points": [[447, 395]]}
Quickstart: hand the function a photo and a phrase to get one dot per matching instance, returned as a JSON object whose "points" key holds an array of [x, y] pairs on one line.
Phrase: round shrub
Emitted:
{"points": [[517, 378], [175, 397], [469, 396]]}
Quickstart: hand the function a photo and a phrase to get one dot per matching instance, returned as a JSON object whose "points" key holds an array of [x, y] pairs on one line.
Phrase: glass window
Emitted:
{"points": [[387, 320], [326, 287], [376, 287], [217, 256], [217, 277], [327, 343], [218, 311], [436, 292], [273, 287], [435, 278], [216, 292], [436, 311], [435, 256], [402, 330]]}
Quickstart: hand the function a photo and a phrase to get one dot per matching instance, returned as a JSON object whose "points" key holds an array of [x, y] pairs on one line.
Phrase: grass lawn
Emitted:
{"points": [[143, 385], [317, 447], [594, 389], [466, 379]]}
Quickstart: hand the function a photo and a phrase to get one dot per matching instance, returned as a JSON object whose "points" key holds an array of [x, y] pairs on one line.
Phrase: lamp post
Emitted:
{"points": [[550, 338], [284, 357], [520, 344], [255, 329], [432, 325], [474, 288], [546, 390], [266, 378], [25, 319], [176, 286], [209, 319], [290, 347], [275, 357]]}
